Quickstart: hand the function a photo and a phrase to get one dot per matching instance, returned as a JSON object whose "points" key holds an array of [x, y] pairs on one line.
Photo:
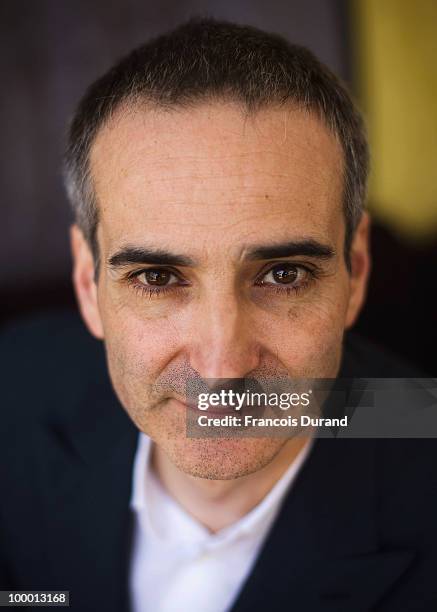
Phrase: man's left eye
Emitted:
{"points": [[285, 274]]}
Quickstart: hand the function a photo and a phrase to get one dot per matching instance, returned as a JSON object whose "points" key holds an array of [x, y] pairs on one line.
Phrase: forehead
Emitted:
{"points": [[215, 173]]}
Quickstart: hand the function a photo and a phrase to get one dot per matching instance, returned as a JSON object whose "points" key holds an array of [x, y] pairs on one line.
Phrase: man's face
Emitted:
{"points": [[221, 240]]}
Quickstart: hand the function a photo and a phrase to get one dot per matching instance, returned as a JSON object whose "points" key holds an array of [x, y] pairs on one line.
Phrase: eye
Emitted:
{"points": [[290, 275], [155, 277]]}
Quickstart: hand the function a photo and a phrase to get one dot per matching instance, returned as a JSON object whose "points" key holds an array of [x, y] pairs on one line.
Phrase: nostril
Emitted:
{"points": [[238, 385]]}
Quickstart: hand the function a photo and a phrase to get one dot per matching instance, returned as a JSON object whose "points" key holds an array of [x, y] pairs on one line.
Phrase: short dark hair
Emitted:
{"points": [[208, 59]]}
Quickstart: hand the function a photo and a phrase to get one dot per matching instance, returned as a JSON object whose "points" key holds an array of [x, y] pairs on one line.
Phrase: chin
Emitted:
{"points": [[221, 459]]}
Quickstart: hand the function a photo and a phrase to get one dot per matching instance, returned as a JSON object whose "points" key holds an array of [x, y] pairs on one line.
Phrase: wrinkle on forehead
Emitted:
{"points": [[214, 167], [220, 132]]}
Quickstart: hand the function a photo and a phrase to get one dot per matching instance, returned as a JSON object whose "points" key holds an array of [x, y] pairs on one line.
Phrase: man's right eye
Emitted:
{"points": [[155, 282], [156, 277]]}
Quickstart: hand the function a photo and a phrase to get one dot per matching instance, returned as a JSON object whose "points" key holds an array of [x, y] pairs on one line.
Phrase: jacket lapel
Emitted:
{"points": [[306, 562], [87, 466]]}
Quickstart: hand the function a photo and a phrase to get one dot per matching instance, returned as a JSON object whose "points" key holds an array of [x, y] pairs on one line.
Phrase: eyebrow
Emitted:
{"points": [[138, 255], [305, 248], [147, 256]]}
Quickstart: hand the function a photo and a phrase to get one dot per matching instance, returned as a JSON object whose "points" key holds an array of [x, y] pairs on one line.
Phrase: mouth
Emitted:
{"points": [[220, 410], [215, 410]]}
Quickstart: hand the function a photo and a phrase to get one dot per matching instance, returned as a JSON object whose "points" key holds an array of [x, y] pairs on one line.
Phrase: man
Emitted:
{"points": [[218, 178]]}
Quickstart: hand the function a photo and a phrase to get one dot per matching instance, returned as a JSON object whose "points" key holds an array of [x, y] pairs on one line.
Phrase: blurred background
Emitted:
{"points": [[386, 50]]}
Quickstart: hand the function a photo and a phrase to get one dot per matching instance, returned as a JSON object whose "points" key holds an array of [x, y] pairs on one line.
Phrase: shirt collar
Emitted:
{"points": [[163, 517]]}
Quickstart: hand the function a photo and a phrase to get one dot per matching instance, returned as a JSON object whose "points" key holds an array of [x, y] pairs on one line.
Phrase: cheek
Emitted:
{"points": [[142, 344], [309, 336], [138, 349], [139, 332]]}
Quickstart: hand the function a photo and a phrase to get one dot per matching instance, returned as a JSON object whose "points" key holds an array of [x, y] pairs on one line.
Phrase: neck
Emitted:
{"points": [[219, 503]]}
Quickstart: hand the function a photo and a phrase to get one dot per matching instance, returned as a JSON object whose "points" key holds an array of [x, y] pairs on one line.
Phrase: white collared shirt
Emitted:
{"points": [[177, 565]]}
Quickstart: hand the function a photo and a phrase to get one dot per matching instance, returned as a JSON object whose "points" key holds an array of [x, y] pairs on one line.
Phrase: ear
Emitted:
{"points": [[360, 269], [84, 282]]}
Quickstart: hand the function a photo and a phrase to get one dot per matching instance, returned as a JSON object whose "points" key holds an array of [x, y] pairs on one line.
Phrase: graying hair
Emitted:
{"points": [[208, 59]]}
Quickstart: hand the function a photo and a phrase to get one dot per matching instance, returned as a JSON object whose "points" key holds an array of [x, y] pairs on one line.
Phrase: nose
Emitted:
{"points": [[223, 339]]}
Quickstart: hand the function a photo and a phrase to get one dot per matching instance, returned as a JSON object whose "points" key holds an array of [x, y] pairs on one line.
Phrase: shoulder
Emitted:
{"points": [[402, 462], [46, 361], [366, 359]]}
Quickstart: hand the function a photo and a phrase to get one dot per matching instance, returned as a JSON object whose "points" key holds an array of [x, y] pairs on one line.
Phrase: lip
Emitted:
{"points": [[216, 411]]}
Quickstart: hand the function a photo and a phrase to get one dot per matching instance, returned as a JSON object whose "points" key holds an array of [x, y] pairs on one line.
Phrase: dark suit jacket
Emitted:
{"points": [[358, 531]]}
